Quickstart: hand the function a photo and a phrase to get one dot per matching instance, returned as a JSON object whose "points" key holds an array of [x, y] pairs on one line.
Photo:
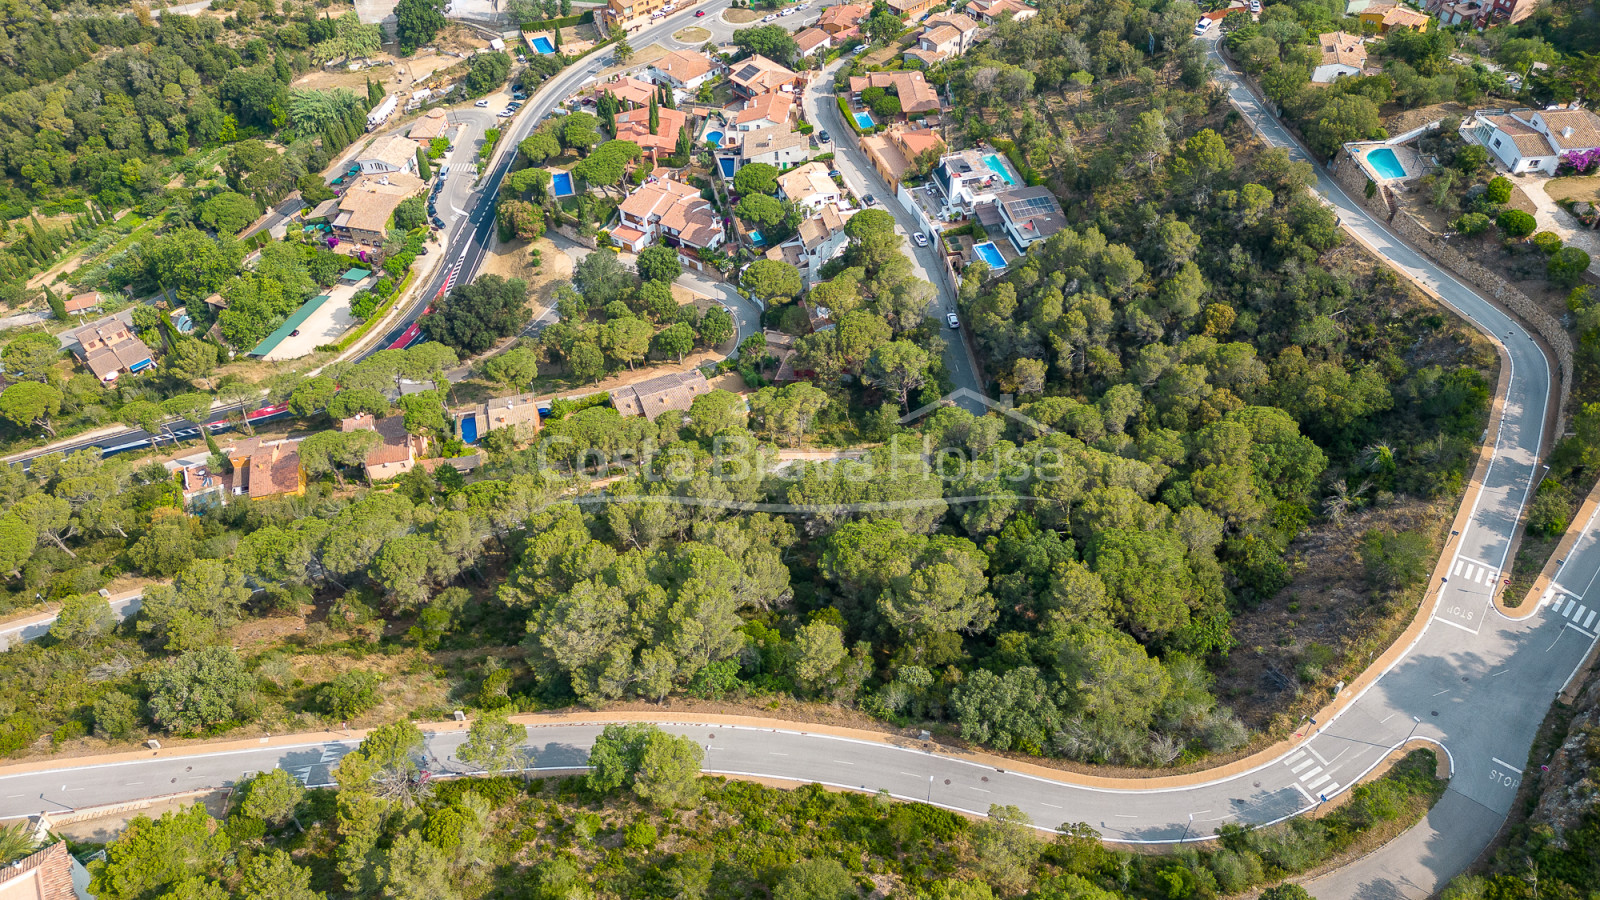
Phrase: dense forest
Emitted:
{"points": [[642, 824]]}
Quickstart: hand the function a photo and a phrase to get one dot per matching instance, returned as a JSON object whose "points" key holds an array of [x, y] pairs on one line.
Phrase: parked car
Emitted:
{"points": [[700, 14], [294, 333], [951, 320], [823, 137], [860, 48], [1255, 6], [920, 239], [482, 104], [770, 18], [1201, 26], [506, 113], [869, 200], [835, 173], [438, 222]]}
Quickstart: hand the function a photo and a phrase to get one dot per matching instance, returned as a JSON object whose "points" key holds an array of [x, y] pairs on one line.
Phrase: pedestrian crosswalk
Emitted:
{"points": [[1311, 771], [1474, 571], [1578, 616]]}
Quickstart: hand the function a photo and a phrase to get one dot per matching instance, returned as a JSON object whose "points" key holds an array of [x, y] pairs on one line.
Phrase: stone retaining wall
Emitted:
{"points": [[1350, 176]]}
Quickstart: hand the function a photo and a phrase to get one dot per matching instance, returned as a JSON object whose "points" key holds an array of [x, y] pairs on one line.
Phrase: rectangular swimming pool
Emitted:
{"points": [[1385, 163], [727, 165], [469, 430], [543, 45], [998, 166], [865, 121], [561, 183], [990, 254]]}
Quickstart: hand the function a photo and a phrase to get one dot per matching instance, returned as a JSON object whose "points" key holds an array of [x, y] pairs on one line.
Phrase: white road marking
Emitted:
{"points": [[1387, 718], [1443, 621], [987, 791], [1312, 785], [843, 763], [1302, 765], [1051, 805], [1309, 798], [1313, 752], [1590, 621], [1506, 764], [1307, 776], [1567, 613]]}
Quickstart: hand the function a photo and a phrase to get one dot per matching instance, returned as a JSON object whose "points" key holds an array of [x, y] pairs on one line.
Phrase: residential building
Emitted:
{"points": [[812, 40], [969, 178], [892, 152], [779, 146], [809, 186], [820, 238], [765, 111], [965, 25], [1343, 54], [389, 155], [1030, 215], [1482, 13], [630, 92], [204, 486], [268, 469], [84, 302], [634, 125], [926, 58], [912, 10], [109, 348], [520, 413], [1508, 12], [844, 17], [912, 87], [758, 75], [682, 69], [397, 451], [1384, 17], [990, 12], [433, 124], [657, 395], [622, 12], [670, 210], [367, 207], [180, 320], [1529, 140], [48, 874]]}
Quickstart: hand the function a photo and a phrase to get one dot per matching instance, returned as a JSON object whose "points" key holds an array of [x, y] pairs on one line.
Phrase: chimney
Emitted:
{"points": [[1566, 132]]}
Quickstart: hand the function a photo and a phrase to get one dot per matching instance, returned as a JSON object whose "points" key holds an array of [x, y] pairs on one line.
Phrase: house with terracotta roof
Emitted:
{"points": [[813, 39], [962, 23], [1482, 13], [819, 239], [519, 413], [634, 125], [912, 87], [204, 485], [809, 186], [765, 111], [367, 207], [682, 69], [389, 155], [1386, 16], [268, 469], [1343, 55], [109, 349], [433, 124], [670, 210], [84, 302], [1530, 140], [844, 17], [758, 75], [991, 12], [48, 874], [655, 396], [911, 9], [630, 92], [397, 451]]}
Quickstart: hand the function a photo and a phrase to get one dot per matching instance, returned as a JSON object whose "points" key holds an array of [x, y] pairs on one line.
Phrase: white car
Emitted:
{"points": [[860, 48], [505, 113], [951, 320], [1201, 26], [482, 104], [1255, 6], [920, 239], [771, 18]]}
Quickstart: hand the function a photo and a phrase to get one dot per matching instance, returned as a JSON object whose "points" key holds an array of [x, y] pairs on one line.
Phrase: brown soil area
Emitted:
{"points": [[515, 260], [641, 56], [743, 16], [692, 35], [1404, 121], [1578, 187], [405, 71]]}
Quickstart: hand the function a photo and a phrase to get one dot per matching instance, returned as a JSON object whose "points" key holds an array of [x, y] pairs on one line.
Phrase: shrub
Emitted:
{"points": [[1499, 189], [1514, 223], [1567, 265], [348, 695], [1547, 242], [1471, 224]]}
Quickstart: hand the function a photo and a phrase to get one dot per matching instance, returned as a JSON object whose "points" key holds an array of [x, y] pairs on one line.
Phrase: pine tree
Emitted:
{"points": [[655, 116]]}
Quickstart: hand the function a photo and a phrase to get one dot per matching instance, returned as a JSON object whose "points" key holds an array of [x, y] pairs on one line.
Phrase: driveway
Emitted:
{"points": [[822, 110], [1553, 218]]}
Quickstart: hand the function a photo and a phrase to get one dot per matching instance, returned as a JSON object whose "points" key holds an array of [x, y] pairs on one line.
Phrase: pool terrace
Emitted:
{"points": [[1386, 163]]}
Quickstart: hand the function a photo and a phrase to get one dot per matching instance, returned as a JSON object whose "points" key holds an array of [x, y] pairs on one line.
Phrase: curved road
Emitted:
{"points": [[1474, 682]]}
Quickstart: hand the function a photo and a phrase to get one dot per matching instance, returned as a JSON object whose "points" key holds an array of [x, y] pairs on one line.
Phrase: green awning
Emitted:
{"points": [[354, 275], [295, 320]]}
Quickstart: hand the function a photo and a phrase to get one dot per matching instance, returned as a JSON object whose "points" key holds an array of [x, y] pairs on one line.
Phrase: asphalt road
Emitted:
{"points": [[123, 606], [822, 110], [1475, 683]]}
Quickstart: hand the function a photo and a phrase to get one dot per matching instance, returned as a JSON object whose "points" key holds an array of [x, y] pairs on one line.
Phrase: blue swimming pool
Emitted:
{"points": [[755, 237], [469, 430], [990, 254], [727, 165], [864, 120], [714, 138], [1385, 163], [998, 166], [543, 45], [561, 183]]}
